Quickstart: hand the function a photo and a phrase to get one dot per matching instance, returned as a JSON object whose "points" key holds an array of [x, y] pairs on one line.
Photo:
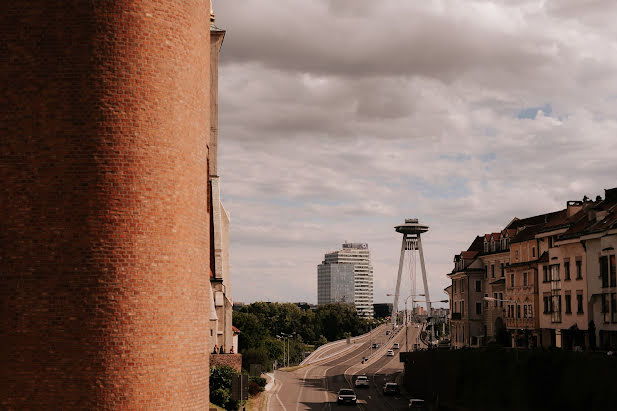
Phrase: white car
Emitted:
{"points": [[396, 346], [390, 353], [346, 396], [362, 381]]}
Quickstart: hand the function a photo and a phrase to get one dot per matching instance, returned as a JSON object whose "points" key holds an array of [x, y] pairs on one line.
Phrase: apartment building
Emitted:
{"points": [[495, 257], [466, 297], [595, 232]]}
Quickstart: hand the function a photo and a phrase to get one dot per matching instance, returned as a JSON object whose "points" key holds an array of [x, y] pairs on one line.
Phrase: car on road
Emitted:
{"points": [[375, 345], [391, 388], [417, 404], [396, 346], [390, 353], [387, 332], [361, 381], [346, 396], [417, 325]]}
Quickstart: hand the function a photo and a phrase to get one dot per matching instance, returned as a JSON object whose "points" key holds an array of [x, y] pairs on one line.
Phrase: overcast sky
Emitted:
{"points": [[341, 118]]}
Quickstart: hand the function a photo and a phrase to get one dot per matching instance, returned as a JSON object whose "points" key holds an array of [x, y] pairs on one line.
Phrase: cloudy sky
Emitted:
{"points": [[340, 118]]}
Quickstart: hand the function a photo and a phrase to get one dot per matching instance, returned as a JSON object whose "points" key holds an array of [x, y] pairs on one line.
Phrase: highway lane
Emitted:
{"points": [[337, 346], [314, 387]]}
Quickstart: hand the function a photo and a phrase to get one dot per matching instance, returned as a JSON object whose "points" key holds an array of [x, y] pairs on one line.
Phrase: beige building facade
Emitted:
{"points": [[221, 303]]}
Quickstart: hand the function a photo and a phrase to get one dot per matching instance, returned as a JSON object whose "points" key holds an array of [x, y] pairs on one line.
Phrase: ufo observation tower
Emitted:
{"points": [[410, 246]]}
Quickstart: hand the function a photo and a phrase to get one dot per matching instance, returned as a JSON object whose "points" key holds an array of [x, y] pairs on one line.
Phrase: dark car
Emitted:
{"points": [[391, 388], [346, 396]]}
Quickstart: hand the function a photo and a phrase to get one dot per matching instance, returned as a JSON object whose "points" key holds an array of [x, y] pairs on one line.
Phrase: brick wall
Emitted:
{"points": [[103, 218], [231, 360]]}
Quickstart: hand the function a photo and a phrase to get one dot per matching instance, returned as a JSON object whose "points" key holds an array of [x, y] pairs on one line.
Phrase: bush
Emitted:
{"points": [[221, 378], [220, 397], [260, 381], [254, 388]]}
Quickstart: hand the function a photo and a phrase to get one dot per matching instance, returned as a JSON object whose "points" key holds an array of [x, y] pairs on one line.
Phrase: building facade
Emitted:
{"points": [[495, 258], [334, 279], [221, 302], [550, 279], [105, 225], [466, 297], [335, 283]]}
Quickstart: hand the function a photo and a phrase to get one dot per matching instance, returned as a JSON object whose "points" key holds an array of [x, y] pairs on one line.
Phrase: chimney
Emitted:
{"points": [[574, 207], [610, 194]]}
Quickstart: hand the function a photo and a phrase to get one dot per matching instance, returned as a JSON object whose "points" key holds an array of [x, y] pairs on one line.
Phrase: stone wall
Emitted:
{"points": [[231, 360]]}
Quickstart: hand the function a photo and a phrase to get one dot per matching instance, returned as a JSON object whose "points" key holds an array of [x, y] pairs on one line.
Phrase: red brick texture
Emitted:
{"points": [[104, 225], [231, 360]]}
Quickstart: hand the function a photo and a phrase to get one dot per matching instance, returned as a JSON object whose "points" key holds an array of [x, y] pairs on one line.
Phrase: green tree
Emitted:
{"points": [[252, 330], [221, 379]]}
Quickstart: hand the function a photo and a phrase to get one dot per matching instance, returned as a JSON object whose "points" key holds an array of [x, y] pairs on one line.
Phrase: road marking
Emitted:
{"points": [[302, 388]]}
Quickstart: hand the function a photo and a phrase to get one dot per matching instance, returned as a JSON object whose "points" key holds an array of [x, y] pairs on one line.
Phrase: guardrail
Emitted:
{"points": [[353, 340]]}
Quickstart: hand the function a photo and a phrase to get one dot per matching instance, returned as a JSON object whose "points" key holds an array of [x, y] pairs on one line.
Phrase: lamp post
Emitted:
{"points": [[406, 320]]}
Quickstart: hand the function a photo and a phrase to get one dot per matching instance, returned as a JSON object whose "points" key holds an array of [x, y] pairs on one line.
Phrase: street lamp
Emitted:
{"points": [[405, 321]]}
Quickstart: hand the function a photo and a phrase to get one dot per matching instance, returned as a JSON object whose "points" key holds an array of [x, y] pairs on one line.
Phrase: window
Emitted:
{"points": [[579, 303], [502, 270], [550, 242], [462, 309], [604, 271], [525, 311], [478, 308], [518, 311], [501, 300], [462, 285], [546, 305], [605, 307], [485, 301], [568, 304], [545, 274], [554, 273], [530, 311], [556, 308], [495, 296], [516, 255], [485, 272], [614, 307], [493, 270], [533, 252], [613, 271], [579, 270], [512, 280], [478, 286], [525, 279], [566, 270]]}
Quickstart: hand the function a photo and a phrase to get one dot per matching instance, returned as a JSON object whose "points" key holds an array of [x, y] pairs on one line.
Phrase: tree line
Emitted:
{"points": [[263, 327]]}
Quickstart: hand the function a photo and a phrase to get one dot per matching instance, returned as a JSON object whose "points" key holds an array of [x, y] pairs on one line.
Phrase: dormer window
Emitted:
{"points": [[492, 244], [485, 246]]}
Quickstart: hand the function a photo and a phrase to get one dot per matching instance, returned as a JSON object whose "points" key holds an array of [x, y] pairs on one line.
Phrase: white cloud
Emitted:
{"points": [[338, 119]]}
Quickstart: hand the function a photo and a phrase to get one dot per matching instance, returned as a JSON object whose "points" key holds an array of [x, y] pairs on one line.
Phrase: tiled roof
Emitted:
{"points": [[526, 234], [235, 330], [467, 255], [543, 258], [477, 244]]}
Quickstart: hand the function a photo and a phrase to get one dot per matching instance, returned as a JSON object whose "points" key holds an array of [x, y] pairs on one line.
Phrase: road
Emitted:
{"points": [[315, 386]]}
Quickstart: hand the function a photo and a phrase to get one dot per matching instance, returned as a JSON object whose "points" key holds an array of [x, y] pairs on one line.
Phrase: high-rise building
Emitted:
{"points": [[346, 275]]}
